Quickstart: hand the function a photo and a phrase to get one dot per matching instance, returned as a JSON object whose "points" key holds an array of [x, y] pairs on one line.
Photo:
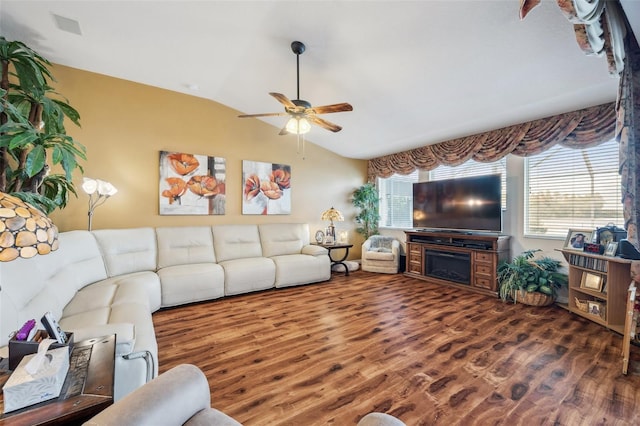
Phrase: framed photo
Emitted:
{"points": [[576, 239], [595, 308], [319, 236], [591, 281], [328, 239], [611, 249]]}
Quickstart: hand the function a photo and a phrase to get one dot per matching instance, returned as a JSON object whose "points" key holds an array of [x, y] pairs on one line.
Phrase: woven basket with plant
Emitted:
{"points": [[530, 281]]}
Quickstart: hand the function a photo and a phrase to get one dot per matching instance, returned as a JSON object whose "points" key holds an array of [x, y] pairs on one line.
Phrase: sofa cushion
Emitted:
{"points": [[249, 274], [378, 255], [149, 281], [236, 242], [106, 294], [191, 283], [283, 238], [184, 245], [127, 250], [295, 269]]}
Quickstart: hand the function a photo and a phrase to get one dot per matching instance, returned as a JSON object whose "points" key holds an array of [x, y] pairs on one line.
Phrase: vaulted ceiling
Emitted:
{"points": [[416, 72]]}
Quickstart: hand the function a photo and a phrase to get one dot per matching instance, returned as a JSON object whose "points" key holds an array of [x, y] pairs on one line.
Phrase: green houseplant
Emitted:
{"points": [[32, 131], [530, 280], [366, 199]]}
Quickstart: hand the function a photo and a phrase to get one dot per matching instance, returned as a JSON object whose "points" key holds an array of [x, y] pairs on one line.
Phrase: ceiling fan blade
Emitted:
{"points": [[326, 109], [324, 123], [267, 114], [283, 100]]}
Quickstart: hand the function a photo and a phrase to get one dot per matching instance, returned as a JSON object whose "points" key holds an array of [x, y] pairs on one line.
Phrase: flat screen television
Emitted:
{"points": [[464, 204]]}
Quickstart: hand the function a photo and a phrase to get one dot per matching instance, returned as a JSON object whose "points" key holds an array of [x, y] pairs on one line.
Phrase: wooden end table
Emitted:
{"points": [[340, 261], [87, 390]]}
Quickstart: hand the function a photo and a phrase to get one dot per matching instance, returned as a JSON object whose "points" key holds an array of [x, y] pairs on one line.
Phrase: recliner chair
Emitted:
{"points": [[181, 396], [381, 254]]}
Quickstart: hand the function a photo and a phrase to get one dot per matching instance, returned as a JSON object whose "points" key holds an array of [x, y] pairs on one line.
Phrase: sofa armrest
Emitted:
{"points": [[314, 250], [395, 248], [125, 335], [172, 398]]}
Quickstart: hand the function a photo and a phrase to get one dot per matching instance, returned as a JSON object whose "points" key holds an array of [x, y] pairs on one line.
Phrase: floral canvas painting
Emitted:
{"points": [[191, 184], [267, 188]]}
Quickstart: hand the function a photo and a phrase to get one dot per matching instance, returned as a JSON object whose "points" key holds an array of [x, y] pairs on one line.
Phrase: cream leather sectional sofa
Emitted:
{"points": [[110, 281]]}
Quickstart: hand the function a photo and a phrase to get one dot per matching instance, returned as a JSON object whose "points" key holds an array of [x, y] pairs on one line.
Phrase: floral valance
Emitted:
{"points": [[578, 129]]}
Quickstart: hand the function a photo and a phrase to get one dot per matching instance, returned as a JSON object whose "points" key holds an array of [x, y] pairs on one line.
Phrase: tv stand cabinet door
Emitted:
{"points": [[483, 266], [414, 260]]}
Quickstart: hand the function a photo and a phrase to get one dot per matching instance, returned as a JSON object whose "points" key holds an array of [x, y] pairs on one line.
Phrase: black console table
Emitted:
{"points": [[462, 259], [338, 261]]}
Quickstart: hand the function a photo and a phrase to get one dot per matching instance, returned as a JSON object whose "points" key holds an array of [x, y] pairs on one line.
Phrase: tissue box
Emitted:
{"points": [[22, 389]]}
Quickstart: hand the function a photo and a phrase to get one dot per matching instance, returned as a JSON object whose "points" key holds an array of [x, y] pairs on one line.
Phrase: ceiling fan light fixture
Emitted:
{"points": [[298, 125]]}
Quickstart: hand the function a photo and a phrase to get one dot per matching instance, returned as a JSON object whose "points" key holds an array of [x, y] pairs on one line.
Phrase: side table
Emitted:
{"points": [[340, 261], [87, 390]]}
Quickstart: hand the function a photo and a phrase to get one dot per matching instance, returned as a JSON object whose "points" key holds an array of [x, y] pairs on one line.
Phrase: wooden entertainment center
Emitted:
{"points": [[462, 259]]}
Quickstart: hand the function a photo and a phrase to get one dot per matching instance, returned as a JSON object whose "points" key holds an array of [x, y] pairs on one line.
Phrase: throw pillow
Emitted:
{"points": [[381, 242]]}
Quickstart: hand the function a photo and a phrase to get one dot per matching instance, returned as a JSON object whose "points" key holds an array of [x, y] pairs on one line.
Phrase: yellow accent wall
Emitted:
{"points": [[125, 125]]}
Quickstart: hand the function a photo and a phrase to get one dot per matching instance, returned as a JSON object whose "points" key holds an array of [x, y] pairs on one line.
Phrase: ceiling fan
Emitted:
{"points": [[301, 112]]}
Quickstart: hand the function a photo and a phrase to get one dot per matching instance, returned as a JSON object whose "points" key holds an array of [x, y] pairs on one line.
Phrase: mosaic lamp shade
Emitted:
{"points": [[24, 230], [331, 215]]}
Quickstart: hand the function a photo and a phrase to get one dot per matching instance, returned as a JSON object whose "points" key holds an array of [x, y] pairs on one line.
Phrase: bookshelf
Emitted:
{"points": [[598, 287]]}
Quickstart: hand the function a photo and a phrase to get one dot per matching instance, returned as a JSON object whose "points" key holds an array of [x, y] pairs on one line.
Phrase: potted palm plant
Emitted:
{"points": [[32, 131], [366, 199], [529, 280]]}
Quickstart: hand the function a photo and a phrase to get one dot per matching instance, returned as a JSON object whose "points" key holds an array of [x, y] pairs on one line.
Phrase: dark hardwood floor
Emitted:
{"points": [[328, 353]]}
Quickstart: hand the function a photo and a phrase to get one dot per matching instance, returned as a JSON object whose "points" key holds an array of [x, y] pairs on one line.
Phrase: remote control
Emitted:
{"points": [[52, 327]]}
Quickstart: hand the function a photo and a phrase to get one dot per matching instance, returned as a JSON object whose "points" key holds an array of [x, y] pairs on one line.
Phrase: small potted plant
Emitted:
{"points": [[530, 281]]}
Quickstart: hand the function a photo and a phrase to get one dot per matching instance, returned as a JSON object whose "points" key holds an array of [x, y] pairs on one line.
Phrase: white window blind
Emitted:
{"points": [[571, 188], [396, 200], [474, 168]]}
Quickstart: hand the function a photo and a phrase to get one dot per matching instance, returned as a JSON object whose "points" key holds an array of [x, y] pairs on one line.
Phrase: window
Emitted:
{"points": [[396, 192], [572, 188], [474, 168], [396, 200]]}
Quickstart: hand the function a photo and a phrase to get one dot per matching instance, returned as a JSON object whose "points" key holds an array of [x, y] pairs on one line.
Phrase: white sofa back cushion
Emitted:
{"points": [[128, 250], [236, 242], [283, 238], [31, 287], [185, 246]]}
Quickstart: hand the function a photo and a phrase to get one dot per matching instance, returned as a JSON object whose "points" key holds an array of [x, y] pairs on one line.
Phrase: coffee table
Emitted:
{"points": [[87, 390]]}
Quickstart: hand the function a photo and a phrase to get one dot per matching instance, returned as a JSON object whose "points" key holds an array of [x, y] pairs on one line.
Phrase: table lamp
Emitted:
{"points": [[331, 215]]}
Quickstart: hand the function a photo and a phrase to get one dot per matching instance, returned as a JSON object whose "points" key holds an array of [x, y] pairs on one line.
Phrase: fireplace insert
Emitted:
{"points": [[447, 265]]}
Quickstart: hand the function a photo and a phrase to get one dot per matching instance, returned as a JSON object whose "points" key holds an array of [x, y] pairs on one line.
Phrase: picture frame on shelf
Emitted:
{"points": [[576, 238], [319, 236], [328, 239], [611, 249], [591, 281], [595, 308]]}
